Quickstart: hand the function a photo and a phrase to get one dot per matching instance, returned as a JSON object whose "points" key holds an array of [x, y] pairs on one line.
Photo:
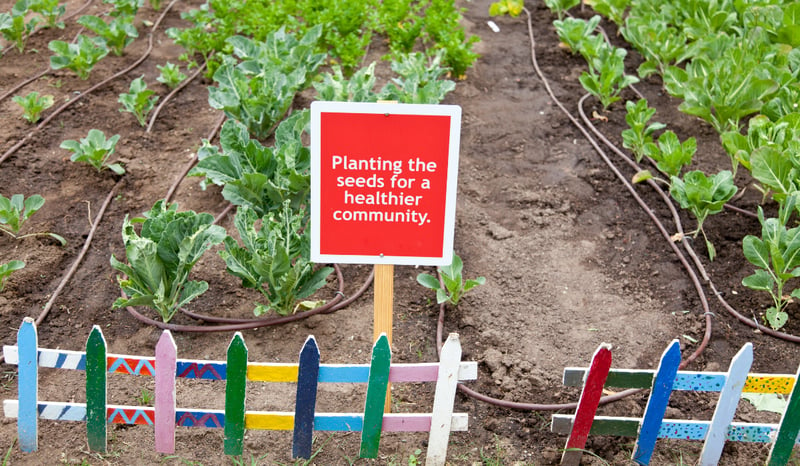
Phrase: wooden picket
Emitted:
{"points": [[236, 371], [666, 379]]}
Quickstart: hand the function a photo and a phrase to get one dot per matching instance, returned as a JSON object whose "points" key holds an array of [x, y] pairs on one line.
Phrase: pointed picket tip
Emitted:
{"points": [[310, 345], [166, 341], [237, 341]]}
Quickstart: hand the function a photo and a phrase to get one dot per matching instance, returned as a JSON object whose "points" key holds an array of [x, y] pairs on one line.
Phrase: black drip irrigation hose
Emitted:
{"points": [[13, 149]]}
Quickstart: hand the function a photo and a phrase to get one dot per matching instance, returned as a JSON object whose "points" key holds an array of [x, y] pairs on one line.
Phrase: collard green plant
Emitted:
{"points": [[171, 75], [420, 80], [703, 196], [33, 105], [639, 133], [14, 212], [7, 269], [15, 29], [161, 257], [275, 258], [783, 135], [579, 35], [776, 256], [95, 150], [606, 76], [444, 32], [401, 22], [661, 44], [455, 286], [334, 86], [80, 56], [612, 9], [118, 33], [506, 7], [124, 7], [139, 100], [560, 7], [670, 154], [50, 10]]}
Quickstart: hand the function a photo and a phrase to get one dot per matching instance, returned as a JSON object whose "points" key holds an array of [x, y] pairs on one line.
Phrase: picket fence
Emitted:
{"points": [[662, 382], [236, 371]]}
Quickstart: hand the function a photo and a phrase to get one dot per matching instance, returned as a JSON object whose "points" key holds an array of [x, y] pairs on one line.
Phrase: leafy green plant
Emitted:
{"points": [[703, 196], [124, 7], [7, 269], [670, 154], [578, 34], [420, 80], [14, 28], [80, 56], [155, 4], [170, 76], [776, 257], [275, 258], [14, 212], [612, 9], [444, 32], [33, 105], [161, 257], [95, 150], [145, 397], [454, 284], [606, 76], [560, 7], [510, 7], [661, 44], [334, 86], [639, 132], [401, 22], [782, 135], [139, 100], [50, 10], [118, 33]]}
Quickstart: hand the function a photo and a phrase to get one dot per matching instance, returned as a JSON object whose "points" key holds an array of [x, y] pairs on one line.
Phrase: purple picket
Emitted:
{"points": [[305, 399], [657, 403], [166, 369], [28, 386]]}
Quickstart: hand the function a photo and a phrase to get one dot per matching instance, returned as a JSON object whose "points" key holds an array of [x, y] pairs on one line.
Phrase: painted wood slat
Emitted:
{"points": [[305, 399], [235, 389], [789, 428], [726, 406], [443, 400], [657, 403], [376, 397], [587, 405], [165, 403], [28, 386], [96, 390], [259, 372]]}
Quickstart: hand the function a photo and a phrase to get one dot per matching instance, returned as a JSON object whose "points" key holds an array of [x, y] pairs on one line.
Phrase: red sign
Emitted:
{"points": [[383, 182]]}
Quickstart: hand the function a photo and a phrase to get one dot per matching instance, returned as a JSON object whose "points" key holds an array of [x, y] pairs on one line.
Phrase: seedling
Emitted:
{"points": [[95, 150], [454, 285], [50, 10], [670, 154], [79, 57], [511, 7], [560, 7], [33, 105], [125, 7], [139, 101], [578, 34], [118, 33], [170, 76], [606, 76], [14, 28], [420, 80], [7, 269], [161, 257], [15, 211], [639, 133]]}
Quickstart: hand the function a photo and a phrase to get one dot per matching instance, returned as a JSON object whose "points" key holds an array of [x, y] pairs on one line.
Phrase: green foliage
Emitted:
{"points": [[606, 76], [782, 136], [161, 257], [639, 132], [401, 21], [80, 56], [124, 7], [275, 258], [776, 256], [50, 10], [118, 34], [259, 177], [139, 101], [155, 4], [334, 86], [578, 34], [703, 196], [560, 7], [420, 80], [95, 150], [7, 269], [14, 28], [170, 76], [670, 154], [14, 212], [510, 7], [454, 285], [33, 105], [612, 9], [661, 44], [444, 31]]}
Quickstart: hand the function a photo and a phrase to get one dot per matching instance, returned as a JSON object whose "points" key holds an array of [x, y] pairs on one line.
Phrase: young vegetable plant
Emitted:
{"points": [[139, 101], [639, 133], [454, 285], [560, 7], [50, 10], [510, 7], [80, 56], [275, 258], [15, 211], [118, 34], [161, 257], [776, 257], [125, 7], [33, 105], [420, 80], [95, 150], [7, 269], [670, 154], [14, 28], [703, 196], [578, 34], [170, 76], [444, 31], [606, 76]]}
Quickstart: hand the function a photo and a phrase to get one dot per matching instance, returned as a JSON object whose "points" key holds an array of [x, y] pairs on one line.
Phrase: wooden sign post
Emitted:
{"points": [[383, 189]]}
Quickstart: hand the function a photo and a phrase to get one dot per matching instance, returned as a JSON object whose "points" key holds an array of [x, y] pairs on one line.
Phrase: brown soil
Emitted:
{"points": [[570, 259]]}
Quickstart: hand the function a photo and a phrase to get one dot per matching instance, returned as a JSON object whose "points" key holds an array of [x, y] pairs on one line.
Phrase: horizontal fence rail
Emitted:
{"points": [[662, 382], [236, 371]]}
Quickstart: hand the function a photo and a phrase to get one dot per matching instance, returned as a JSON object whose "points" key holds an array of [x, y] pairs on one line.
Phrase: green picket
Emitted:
{"points": [[376, 397], [96, 390], [235, 386]]}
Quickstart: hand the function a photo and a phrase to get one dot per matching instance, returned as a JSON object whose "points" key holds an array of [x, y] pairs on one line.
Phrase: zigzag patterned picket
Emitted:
{"points": [[662, 382], [236, 371]]}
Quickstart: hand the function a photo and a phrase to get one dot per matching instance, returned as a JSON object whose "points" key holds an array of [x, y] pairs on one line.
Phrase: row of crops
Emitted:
{"points": [[736, 65], [259, 55]]}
